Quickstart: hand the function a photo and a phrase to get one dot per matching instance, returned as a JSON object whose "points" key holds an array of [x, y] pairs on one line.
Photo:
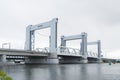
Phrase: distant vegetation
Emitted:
{"points": [[4, 76]]}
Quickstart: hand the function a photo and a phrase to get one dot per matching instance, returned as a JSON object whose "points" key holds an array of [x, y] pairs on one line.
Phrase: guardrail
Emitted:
{"points": [[45, 50], [61, 50], [68, 51]]}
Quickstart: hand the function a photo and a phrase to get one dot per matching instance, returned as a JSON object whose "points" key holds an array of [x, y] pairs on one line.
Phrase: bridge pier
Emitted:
{"points": [[3, 58], [50, 59], [99, 51], [84, 48], [69, 59], [99, 61], [84, 61]]}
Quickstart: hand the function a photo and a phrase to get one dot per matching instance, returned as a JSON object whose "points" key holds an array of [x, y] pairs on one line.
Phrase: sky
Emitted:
{"points": [[100, 19]]}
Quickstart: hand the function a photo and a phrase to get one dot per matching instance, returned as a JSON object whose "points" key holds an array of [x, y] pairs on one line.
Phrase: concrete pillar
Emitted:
{"points": [[4, 58], [53, 39], [63, 44], [28, 38], [99, 51], [53, 43], [32, 40], [80, 48], [84, 48]]}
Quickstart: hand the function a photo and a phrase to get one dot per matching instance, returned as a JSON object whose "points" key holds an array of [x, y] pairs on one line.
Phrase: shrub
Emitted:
{"points": [[3, 76]]}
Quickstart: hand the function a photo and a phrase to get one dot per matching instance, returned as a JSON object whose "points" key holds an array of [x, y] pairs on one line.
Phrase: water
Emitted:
{"points": [[64, 72]]}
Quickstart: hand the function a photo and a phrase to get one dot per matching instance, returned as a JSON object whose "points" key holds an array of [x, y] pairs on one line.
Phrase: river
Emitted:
{"points": [[63, 72]]}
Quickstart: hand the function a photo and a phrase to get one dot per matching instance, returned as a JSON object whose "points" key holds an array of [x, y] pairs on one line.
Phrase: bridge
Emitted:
{"points": [[53, 54], [41, 55], [69, 55]]}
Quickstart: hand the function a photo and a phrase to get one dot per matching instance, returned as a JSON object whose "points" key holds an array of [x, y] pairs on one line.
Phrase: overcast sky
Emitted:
{"points": [[100, 19]]}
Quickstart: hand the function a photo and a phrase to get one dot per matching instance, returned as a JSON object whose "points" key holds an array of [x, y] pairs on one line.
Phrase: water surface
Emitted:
{"points": [[64, 72]]}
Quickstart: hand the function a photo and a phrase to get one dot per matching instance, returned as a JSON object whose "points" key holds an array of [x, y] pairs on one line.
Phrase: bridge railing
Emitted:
{"points": [[45, 50], [61, 50], [92, 54], [20, 57], [68, 51]]}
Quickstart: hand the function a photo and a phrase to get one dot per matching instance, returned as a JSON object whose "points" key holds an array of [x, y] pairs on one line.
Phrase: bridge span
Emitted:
{"points": [[69, 55]]}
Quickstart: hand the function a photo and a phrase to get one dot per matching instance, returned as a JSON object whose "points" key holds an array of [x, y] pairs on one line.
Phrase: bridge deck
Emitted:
{"points": [[21, 52]]}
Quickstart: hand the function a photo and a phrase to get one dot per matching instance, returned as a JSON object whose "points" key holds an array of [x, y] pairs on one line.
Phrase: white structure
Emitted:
{"points": [[30, 34], [30, 37], [83, 37], [98, 43]]}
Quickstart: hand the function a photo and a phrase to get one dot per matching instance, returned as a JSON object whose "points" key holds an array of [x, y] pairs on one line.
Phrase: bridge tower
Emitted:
{"points": [[99, 51], [83, 37], [30, 38], [98, 43]]}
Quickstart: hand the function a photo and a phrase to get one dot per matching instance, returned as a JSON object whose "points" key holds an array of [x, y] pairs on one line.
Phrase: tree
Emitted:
{"points": [[3, 76]]}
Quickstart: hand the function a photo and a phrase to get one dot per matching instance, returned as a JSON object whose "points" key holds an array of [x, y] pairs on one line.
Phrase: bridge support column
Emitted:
{"points": [[3, 58], [84, 61], [52, 59], [99, 51], [99, 61], [63, 42], [84, 48]]}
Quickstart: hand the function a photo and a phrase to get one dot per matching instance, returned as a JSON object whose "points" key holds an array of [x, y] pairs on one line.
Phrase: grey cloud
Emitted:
{"points": [[105, 12]]}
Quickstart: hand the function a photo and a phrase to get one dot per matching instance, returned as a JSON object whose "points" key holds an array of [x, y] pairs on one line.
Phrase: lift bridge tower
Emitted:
{"points": [[83, 37], [30, 38]]}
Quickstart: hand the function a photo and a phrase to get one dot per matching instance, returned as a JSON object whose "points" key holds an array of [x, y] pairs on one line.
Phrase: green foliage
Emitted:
{"points": [[3, 76]]}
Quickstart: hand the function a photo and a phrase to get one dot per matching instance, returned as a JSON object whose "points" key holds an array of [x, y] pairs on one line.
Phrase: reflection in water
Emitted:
{"points": [[63, 72], [84, 74]]}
